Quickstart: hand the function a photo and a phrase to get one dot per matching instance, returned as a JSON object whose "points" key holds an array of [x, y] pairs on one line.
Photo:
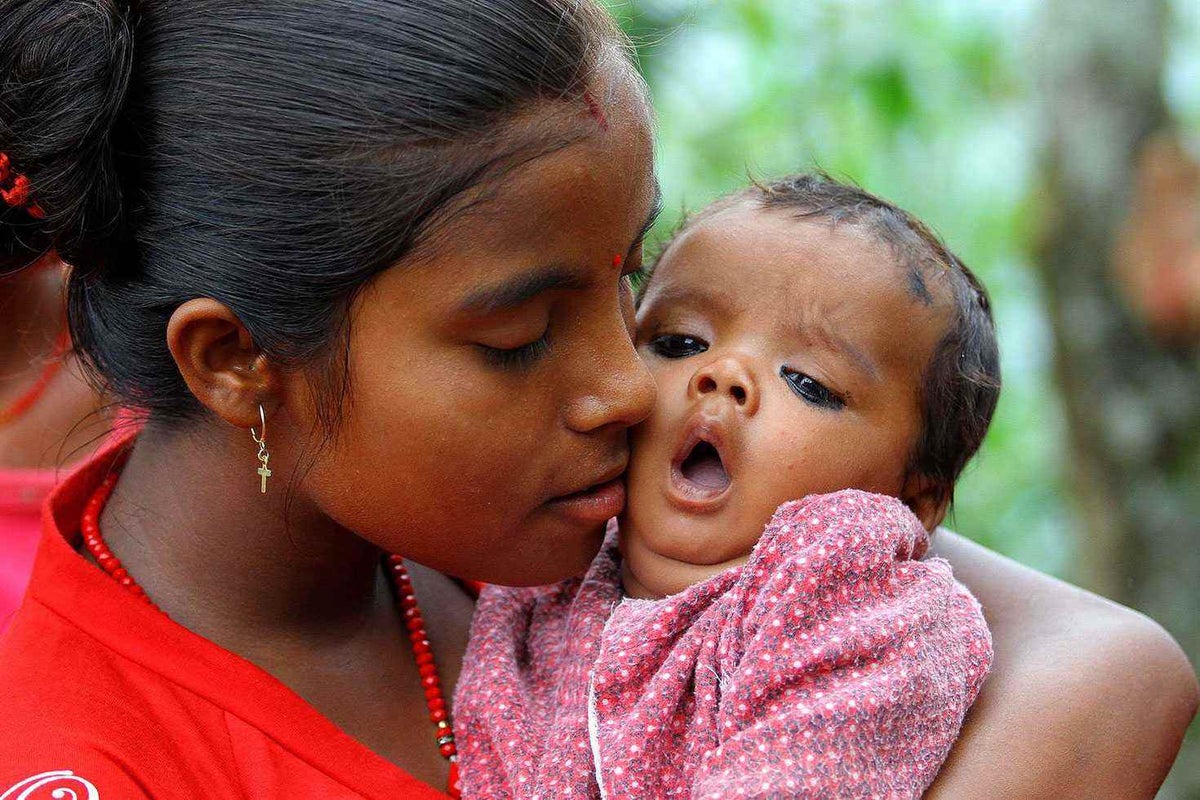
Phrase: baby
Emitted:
{"points": [[809, 340]]}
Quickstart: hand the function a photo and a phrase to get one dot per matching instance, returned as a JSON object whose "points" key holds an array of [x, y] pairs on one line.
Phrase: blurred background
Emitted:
{"points": [[1056, 146]]}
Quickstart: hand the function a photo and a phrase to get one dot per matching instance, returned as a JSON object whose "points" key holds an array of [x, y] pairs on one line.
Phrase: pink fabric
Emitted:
{"points": [[831, 664], [21, 494]]}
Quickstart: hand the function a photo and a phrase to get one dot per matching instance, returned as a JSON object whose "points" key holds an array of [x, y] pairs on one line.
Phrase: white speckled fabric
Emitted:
{"points": [[832, 664]]}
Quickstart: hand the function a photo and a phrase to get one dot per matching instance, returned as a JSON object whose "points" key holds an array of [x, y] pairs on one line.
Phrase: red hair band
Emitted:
{"points": [[18, 195]]}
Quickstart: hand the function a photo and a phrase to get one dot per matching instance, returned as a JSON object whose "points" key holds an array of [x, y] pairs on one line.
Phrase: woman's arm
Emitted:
{"points": [[1086, 698]]}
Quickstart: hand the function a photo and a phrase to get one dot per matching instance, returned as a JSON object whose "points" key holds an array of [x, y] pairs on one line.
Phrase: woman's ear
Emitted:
{"points": [[928, 499], [219, 361]]}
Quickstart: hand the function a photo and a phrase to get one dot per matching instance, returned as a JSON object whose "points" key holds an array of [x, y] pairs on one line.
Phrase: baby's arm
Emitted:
{"points": [[851, 667]]}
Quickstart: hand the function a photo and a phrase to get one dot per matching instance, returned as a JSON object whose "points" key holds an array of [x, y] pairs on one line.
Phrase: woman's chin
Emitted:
{"points": [[545, 554]]}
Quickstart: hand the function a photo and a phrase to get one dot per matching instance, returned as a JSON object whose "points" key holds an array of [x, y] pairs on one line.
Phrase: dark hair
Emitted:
{"points": [[961, 383], [272, 155]]}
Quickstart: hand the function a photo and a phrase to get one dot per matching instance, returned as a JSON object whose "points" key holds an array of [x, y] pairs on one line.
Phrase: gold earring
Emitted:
{"points": [[261, 440]]}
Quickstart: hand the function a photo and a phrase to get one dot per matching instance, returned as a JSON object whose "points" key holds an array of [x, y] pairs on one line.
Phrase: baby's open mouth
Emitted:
{"points": [[700, 480], [704, 468]]}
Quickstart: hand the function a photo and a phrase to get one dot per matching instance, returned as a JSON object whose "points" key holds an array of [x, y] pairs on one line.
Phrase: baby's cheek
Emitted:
{"points": [[665, 422], [800, 462], [836, 460]]}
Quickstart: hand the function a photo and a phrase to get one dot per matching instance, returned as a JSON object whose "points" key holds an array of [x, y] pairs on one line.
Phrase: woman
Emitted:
{"points": [[362, 265], [47, 414]]}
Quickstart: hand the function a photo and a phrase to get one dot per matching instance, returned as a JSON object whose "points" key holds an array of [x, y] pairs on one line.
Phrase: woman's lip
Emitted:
{"points": [[598, 504], [692, 497]]}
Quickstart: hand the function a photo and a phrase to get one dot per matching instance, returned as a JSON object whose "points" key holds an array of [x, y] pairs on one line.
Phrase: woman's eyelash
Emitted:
{"points": [[517, 358], [812, 390]]}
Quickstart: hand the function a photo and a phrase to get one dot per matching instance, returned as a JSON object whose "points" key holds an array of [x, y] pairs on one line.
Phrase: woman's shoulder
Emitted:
{"points": [[1061, 626], [1068, 665]]}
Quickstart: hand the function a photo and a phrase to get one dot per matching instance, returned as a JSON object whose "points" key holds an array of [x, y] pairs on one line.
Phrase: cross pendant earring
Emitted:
{"points": [[261, 440], [265, 473]]}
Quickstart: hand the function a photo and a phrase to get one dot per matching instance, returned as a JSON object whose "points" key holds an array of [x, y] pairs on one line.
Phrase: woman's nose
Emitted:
{"points": [[623, 393], [726, 378]]}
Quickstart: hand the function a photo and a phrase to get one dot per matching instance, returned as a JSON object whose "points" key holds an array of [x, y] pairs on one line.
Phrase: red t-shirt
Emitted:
{"points": [[105, 696]]}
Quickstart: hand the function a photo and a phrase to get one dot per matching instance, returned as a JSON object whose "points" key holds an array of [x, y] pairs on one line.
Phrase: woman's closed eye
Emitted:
{"points": [[812, 390], [677, 345], [519, 357]]}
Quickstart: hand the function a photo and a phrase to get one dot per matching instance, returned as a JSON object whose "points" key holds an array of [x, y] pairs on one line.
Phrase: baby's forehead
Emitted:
{"points": [[778, 251]]}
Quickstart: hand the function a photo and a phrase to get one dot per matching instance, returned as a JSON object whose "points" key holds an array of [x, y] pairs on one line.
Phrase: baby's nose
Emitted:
{"points": [[727, 377]]}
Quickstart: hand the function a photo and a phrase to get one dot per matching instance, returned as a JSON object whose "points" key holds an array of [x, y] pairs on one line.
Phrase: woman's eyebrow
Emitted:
{"points": [[520, 289]]}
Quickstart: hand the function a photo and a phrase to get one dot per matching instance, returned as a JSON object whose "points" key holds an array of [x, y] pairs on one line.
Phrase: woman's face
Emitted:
{"points": [[493, 382]]}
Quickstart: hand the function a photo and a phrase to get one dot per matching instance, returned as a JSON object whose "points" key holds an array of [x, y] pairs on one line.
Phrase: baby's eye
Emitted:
{"points": [[677, 345], [812, 390]]}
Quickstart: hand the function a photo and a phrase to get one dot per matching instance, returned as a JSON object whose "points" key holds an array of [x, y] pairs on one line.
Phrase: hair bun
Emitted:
{"points": [[65, 67]]}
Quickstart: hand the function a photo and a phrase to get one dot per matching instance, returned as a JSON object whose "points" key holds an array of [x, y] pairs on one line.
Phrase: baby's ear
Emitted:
{"points": [[928, 499]]}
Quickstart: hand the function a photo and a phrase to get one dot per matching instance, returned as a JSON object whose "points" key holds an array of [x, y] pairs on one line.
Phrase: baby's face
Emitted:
{"points": [[789, 357]]}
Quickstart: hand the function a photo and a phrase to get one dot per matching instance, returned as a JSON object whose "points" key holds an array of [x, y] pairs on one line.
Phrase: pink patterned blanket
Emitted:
{"points": [[831, 664]]}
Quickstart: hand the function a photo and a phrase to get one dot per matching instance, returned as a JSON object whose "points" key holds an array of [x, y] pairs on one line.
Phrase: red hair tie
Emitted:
{"points": [[18, 195]]}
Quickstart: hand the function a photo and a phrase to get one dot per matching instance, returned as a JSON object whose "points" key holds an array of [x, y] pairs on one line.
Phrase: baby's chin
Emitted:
{"points": [[664, 551]]}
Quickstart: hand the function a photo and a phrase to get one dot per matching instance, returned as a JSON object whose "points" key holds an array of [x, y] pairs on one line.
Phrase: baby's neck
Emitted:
{"points": [[646, 575], [632, 587]]}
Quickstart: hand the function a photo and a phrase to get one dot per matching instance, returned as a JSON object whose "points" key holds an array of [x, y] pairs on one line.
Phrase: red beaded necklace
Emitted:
{"points": [[435, 701]]}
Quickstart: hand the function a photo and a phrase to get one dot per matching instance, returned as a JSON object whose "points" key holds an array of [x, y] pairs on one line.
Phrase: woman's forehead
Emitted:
{"points": [[598, 188]]}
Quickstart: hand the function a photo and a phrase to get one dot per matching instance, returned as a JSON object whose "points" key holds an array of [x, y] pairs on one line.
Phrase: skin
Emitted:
{"points": [[461, 458], [67, 420], [828, 305]]}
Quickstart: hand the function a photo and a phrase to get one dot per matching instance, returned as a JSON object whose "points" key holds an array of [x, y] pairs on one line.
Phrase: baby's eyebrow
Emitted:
{"points": [[703, 298], [823, 333]]}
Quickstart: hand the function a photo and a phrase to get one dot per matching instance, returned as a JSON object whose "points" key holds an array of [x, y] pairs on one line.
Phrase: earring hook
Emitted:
{"points": [[260, 438]]}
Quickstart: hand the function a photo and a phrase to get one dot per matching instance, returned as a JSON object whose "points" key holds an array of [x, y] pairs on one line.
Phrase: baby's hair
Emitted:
{"points": [[961, 383], [273, 155]]}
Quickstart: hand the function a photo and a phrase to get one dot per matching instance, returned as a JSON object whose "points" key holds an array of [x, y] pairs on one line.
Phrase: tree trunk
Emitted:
{"points": [[1132, 405]]}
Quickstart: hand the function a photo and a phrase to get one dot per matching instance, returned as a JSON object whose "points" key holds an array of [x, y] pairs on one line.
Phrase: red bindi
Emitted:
{"points": [[618, 259], [595, 110]]}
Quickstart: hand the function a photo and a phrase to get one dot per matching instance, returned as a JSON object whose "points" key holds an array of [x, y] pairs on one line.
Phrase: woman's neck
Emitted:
{"points": [[284, 587], [235, 565]]}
